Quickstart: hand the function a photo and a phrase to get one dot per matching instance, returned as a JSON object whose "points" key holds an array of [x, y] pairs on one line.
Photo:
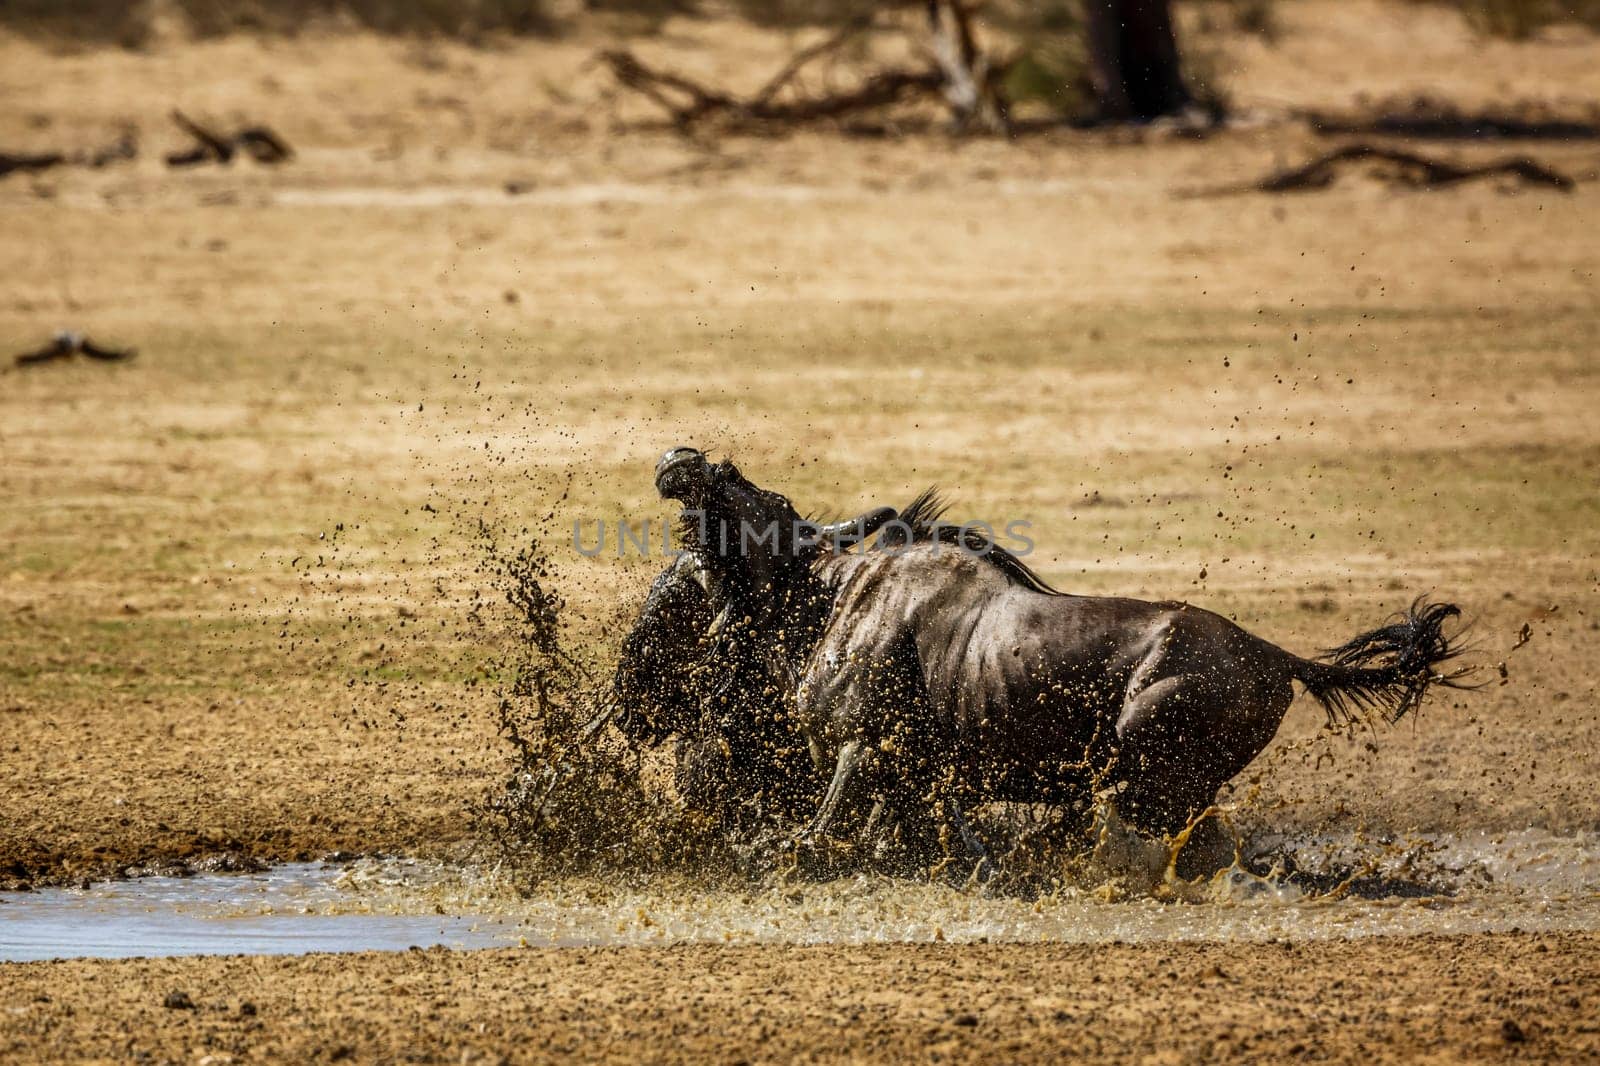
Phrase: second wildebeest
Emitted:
{"points": [[736, 758], [944, 673]]}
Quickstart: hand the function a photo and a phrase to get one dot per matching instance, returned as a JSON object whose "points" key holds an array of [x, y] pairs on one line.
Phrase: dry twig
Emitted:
{"points": [[687, 102], [261, 143], [1400, 166]]}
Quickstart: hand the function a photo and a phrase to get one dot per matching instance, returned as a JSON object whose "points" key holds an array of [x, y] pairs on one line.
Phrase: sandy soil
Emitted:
{"points": [[219, 588], [1506, 998]]}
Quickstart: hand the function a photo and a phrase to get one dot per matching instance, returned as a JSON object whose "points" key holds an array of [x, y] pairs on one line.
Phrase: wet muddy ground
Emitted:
{"points": [[1490, 998], [1313, 890], [236, 596]]}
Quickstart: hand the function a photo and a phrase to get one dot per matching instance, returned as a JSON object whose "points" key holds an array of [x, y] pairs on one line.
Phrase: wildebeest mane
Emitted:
{"points": [[922, 518]]}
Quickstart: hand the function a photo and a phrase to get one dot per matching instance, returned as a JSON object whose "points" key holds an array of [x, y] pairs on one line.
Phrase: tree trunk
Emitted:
{"points": [[971, 86], [1133, 59]]}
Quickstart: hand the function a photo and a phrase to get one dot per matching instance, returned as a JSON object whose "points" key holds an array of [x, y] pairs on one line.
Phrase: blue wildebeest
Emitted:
{"points": [[941, 672]]}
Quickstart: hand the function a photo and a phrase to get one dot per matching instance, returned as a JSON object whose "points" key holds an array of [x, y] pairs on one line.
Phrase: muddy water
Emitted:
{"points": [[1345, 887], [289, 910]]}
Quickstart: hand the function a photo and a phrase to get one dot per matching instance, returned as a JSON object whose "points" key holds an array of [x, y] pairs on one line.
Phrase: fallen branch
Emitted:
{"points": [[211, 147], [657, 86], [688, 102], [1403, 167], [30, 163], [784, 76], [263, 145], [259, 142], [881, 89], [1412, 169], [124, 147]]}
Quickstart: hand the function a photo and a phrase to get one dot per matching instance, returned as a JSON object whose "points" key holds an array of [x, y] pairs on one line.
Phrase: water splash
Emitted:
{"points": [[579, 797], [1476, 882]]}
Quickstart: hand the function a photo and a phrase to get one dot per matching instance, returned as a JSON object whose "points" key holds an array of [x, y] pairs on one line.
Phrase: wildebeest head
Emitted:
{"points": [[752, 542]]}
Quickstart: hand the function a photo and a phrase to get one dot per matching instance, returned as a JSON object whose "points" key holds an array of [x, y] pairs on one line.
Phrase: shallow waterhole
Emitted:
{"points": [[1476, 882]]}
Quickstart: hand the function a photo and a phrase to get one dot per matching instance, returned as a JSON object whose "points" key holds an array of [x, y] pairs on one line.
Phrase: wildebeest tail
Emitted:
{"points": [[1389, 669]]}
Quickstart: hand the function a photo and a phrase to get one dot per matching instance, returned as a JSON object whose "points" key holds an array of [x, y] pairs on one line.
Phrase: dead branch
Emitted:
{"points": [[212, 147], [1410, 168], [258, 142], [688, 102], [30, 163], [1400, 167], [124, 147], [833, 43], [970, 80], [879, 90], [263, 145], [659, 85]]}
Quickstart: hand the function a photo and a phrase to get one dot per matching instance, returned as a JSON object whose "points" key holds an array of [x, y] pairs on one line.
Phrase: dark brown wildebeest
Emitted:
{"points": [[942, 672], [736, 758]]}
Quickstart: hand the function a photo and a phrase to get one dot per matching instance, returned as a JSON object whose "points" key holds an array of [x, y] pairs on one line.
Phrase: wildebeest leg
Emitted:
{"points": [[853, 754], [1180, 738], [1169, 772], [970, 842]]}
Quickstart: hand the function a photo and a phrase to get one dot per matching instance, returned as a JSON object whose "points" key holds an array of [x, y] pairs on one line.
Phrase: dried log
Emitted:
{"points": [[260, 143], [1401, 167], [263, 145], [688, 102], [124, 147], [211, 147], [1410, 169], [798, 61], [30, 163]]}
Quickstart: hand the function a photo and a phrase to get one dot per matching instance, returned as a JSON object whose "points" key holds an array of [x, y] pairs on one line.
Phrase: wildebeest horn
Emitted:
{"points": [[687, 564], [857, 529], [679, 472]]}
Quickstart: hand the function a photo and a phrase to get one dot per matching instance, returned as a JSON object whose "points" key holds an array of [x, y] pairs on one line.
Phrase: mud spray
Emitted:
{"points": [[581, 836], [580, 799], [583, 806]]}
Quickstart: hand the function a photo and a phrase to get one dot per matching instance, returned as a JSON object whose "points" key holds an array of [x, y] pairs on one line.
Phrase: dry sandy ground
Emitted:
{"points": [[226, 567], [1511, 998]]}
